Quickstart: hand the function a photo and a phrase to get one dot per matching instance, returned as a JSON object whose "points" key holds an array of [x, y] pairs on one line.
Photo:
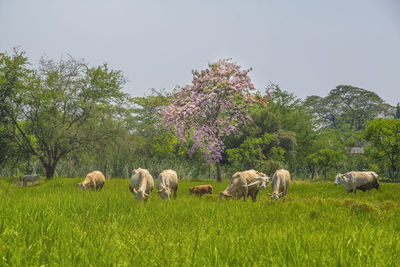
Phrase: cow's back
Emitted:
{"points": [[363, 180], [360, 177], [167, 178], [144, 180], [280, 180], [98, 177], [240, 180], [90, 180]]}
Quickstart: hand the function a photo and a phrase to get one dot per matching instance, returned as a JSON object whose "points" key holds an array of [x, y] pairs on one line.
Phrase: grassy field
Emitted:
{"points": [[318, 224]]}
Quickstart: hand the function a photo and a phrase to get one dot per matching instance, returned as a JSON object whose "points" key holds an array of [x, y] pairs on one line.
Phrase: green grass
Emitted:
{"points": [[318, 224]]}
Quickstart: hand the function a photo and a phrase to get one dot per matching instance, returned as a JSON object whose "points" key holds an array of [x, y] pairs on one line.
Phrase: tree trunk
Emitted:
{"points": [[219, 179], [50, 169], [393, 171]]}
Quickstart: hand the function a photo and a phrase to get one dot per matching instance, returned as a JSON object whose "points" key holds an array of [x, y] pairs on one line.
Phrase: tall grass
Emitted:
{"points": [[318, 224]]}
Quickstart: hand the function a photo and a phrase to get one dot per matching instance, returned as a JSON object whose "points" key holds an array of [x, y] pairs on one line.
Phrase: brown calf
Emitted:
{"points": [[201, 190]]}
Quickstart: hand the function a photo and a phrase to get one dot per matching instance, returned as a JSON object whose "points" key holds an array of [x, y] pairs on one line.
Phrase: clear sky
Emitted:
{"points": [[307, 47]]}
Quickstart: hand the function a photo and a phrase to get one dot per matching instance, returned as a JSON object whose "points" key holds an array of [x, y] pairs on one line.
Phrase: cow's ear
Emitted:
{"points": [[269, 194]]}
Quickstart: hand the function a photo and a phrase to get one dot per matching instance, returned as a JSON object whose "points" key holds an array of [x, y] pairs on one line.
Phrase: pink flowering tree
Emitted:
{"points": [[211, 108]]}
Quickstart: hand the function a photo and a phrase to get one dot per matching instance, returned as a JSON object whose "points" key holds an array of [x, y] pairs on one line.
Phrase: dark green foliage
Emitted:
{"points": [[60, 107], [384, 135], [324, 159], [397, 114], [13, 73], [66, 118], [348, 107]]}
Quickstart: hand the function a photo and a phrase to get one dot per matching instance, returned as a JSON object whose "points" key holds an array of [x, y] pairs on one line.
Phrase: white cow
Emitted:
{"points": [[141, 184], [358, 180], [94, 180], [280, 184], [244, 184], [167, 181]]}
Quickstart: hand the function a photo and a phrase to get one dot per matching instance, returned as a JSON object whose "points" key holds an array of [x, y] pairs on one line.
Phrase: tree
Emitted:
{"points": [[278, 113], [148, 124], [252, 153], [397, 114], [384, 135], [324, 159], [212, 108], [13, 73], [59, 107], [348, 107]]}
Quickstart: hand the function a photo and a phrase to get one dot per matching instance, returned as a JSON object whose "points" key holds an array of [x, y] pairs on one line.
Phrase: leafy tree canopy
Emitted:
{"points": [[58, 107], [348, 107]]}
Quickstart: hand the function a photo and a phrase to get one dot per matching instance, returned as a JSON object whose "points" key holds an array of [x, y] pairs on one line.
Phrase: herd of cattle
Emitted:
{"points": [[242, 184]]}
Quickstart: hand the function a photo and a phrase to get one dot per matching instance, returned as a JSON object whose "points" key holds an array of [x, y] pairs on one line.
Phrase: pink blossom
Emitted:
{"points": [[212, 108]]}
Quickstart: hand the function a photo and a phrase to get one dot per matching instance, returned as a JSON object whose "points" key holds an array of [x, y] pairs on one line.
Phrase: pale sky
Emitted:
{"points": [[307, 47]]}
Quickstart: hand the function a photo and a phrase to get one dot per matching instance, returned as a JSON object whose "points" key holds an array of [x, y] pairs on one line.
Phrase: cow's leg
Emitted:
{"points": [[254, 197], [354, 190], [175, 192], [246, 193]]}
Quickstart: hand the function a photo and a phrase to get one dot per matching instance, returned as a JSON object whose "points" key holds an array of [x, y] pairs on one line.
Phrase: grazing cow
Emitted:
{"points": [[94, 180], [200, 190], [167, 181], [243, 184], [30, 178], [358, 180], [280, 184], [141, 184]]}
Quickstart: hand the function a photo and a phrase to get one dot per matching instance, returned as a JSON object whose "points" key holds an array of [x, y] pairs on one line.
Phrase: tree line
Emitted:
{"points": [[67, 118]]}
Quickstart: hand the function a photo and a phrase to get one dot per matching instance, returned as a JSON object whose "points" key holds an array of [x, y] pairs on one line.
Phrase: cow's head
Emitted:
{"points": [[264, 181], [82, 186], [224, 195], [339, 179], [191, 190], [140, 194], [165, 193], [275, 196]]}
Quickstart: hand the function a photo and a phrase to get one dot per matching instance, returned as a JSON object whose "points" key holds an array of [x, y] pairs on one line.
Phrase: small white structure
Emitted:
{"points": [[357, 150]]}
